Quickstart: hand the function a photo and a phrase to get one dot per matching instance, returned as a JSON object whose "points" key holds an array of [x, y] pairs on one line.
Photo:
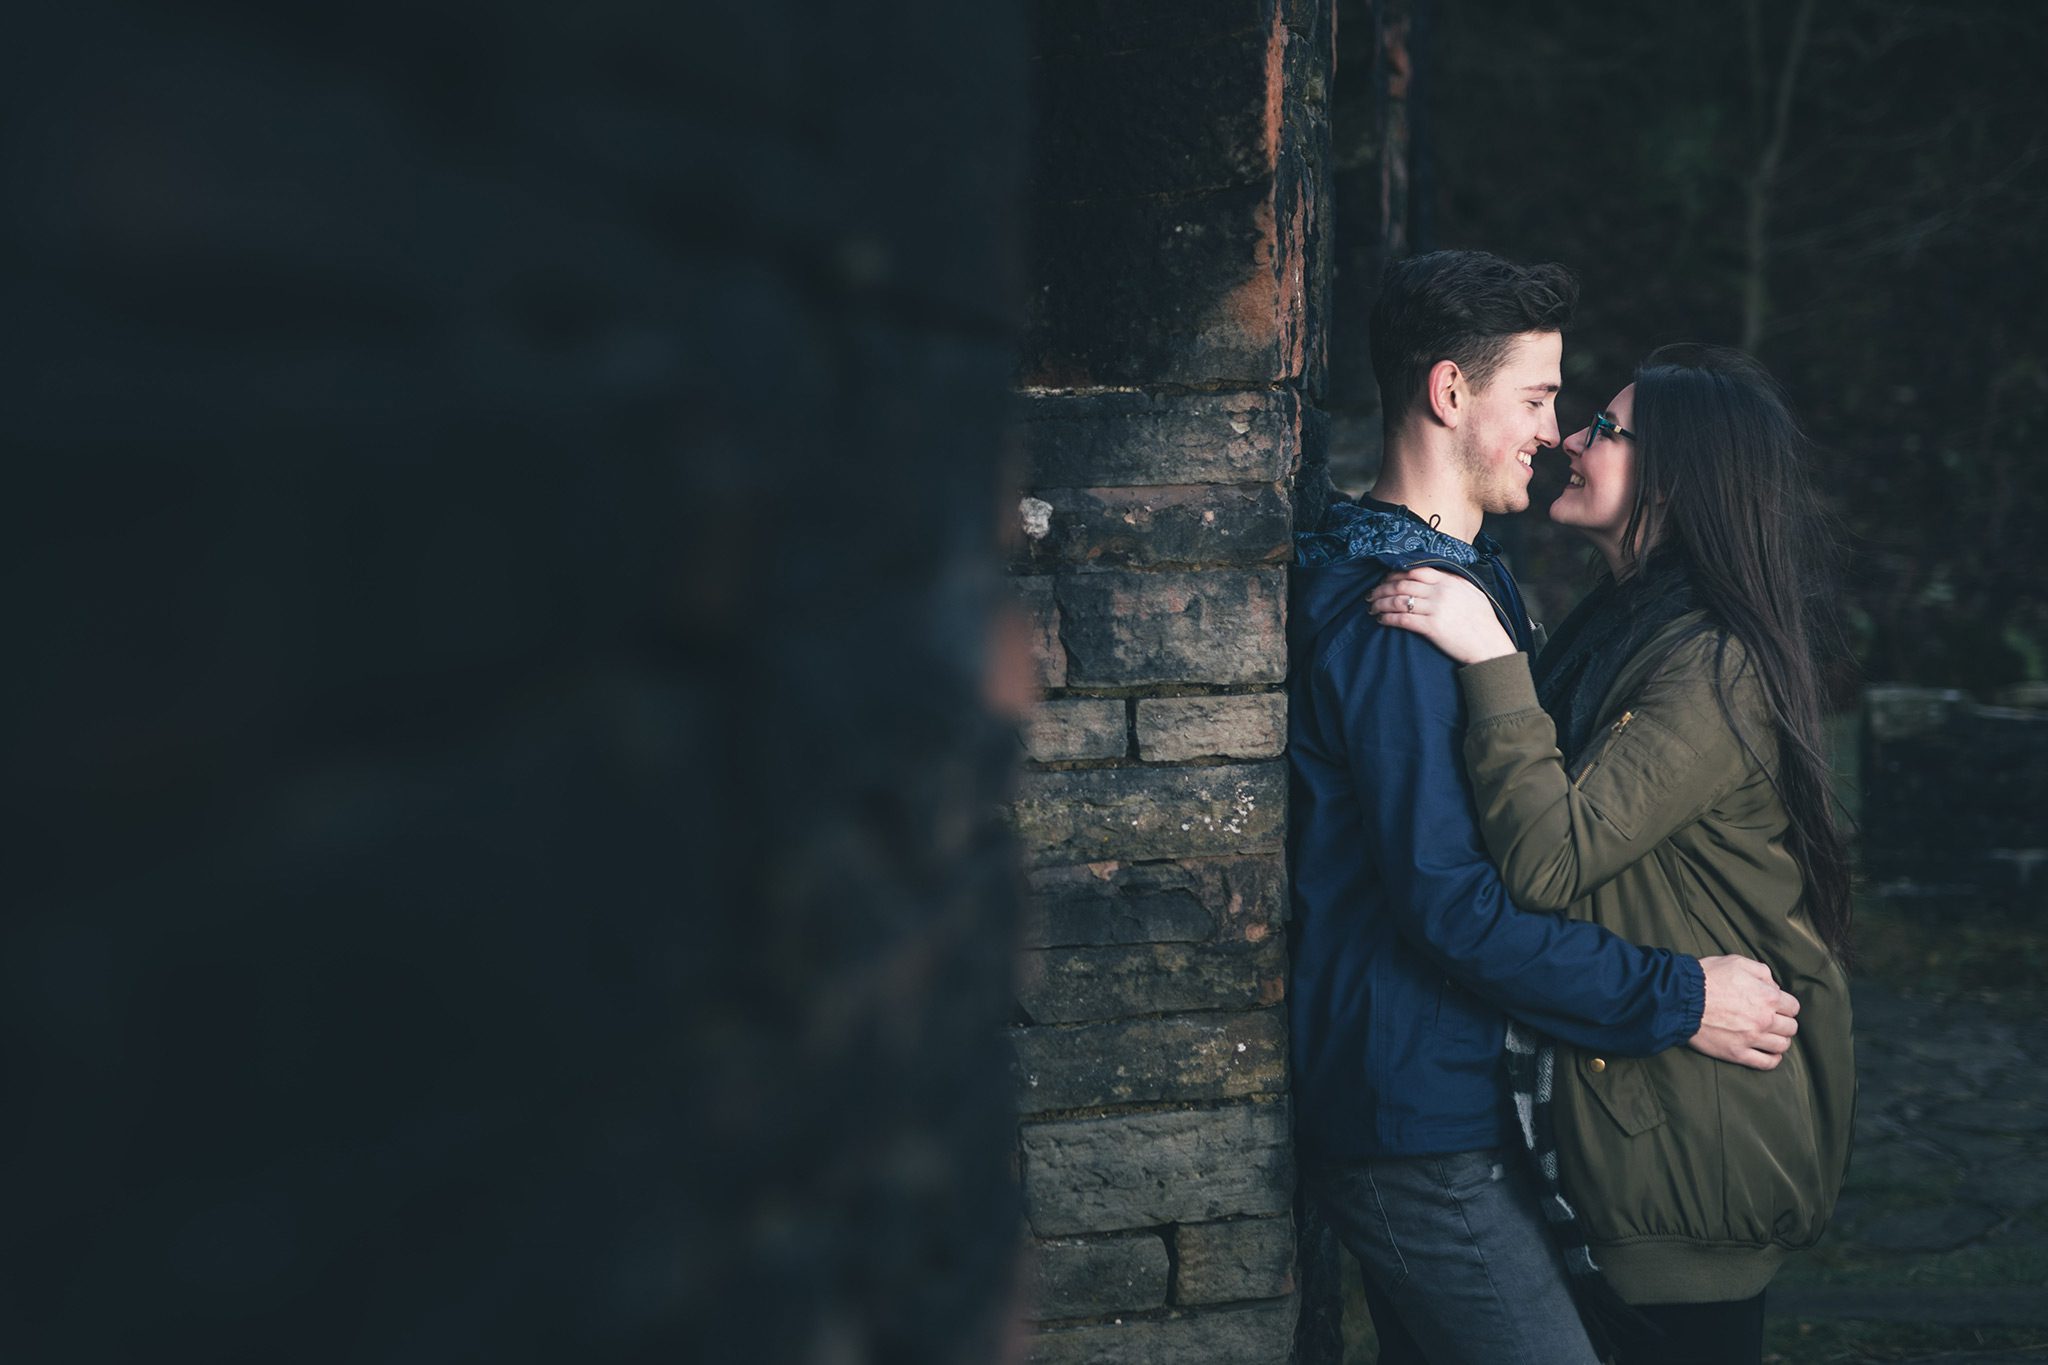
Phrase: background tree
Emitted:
{"points": [[1852, 189]]}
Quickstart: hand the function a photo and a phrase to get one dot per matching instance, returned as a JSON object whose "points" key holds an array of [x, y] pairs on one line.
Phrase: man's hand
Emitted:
{"points": [[1747, 1019]]}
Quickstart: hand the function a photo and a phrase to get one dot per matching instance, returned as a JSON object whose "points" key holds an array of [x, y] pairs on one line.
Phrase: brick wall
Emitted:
{"points": [[1169, 419], [504, 853]]}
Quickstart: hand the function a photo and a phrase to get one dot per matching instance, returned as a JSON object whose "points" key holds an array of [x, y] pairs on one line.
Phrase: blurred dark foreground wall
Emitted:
{"points": [[497, 781]]}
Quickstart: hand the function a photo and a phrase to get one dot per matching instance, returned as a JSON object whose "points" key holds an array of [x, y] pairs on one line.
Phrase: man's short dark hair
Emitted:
{"points": [[1464, 306]]}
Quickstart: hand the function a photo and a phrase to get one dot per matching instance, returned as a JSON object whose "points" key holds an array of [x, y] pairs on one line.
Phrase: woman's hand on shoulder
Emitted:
{"points": [[1443, 608]]}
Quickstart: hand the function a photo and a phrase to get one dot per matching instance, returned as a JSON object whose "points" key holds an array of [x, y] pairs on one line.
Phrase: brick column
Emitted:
{"points": [[502, 816], [1170, 372]]}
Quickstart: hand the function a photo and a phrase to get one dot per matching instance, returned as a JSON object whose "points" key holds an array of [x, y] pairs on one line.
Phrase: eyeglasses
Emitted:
{"points": [[1602, 424]]}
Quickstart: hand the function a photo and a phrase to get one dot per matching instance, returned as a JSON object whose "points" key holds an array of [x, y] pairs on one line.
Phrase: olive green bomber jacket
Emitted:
{"points": [[1694, 1177]]}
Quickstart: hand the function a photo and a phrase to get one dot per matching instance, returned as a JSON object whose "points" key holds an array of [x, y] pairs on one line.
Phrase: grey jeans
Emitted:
{"points": [[1459, 1268]]}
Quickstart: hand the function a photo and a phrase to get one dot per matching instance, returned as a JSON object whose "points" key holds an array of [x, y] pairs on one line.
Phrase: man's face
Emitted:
{"points": [[1509, 420]]}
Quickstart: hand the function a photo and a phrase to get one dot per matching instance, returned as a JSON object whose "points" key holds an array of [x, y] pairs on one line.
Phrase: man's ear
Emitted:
{"points": [[1448, 395]]}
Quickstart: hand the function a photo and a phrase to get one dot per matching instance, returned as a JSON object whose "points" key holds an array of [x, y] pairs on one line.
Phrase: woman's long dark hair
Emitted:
{"points": [[1722, 474]]}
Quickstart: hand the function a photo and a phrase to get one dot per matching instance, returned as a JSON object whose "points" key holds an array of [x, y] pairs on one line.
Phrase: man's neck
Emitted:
{"points": [[1426, 482]]}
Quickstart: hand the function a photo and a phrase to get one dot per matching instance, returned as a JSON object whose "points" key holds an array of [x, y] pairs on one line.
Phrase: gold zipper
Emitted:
{"points": [[1612, 731]]}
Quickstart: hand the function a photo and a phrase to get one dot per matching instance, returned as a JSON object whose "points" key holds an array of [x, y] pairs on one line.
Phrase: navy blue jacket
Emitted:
{"points": [[1407, 950]]}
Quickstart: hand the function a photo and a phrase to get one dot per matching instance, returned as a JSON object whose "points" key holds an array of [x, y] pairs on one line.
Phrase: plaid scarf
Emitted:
{"points": [[1531, 1066]]}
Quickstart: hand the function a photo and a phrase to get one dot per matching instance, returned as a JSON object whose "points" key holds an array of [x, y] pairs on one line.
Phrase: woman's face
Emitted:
{"points": [[1602, 488]]}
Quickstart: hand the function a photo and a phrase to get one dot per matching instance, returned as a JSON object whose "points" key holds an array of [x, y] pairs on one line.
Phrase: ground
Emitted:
{"points": [[1939, 1250]]}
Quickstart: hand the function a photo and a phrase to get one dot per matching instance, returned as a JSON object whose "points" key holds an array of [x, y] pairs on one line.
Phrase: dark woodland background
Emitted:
{"points": [[1854, 190]]}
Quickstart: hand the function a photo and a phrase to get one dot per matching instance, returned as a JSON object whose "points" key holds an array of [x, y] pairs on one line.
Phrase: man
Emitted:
{"points": [[1408, 955]]}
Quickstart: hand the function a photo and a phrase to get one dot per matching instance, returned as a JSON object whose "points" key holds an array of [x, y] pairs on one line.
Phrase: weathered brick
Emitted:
{"points": [[428, 576], [1251, 1258], [1235, 524], [1068, 25], [1953, 793], [1079, 1277], [1092, 814], [1172, 728], [1132, 1061], [1141, 1170], [1126, 628], [1192, 115], [2032, 695], [1101, 263], [1895, 711], [1139, 439], [1041, 612], [1077, 727], [1162, 902], [1262, 1335], [1072, 985]]}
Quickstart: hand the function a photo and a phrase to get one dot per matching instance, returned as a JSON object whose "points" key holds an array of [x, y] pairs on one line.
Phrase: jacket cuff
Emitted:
{"points": [[1498, 687], [1692, 997]]}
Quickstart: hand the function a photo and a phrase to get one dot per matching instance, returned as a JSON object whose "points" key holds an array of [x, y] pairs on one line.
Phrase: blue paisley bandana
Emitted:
{"points": [[1351, 531]]}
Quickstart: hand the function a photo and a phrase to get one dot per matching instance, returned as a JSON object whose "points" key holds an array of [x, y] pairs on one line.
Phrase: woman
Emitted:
{"points": [[1663, 774]]}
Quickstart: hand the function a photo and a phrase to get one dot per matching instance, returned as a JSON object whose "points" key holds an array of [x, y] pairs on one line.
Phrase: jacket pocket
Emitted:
{"points": [[1643, 760], [1466, 1022], [1622, 1088]]}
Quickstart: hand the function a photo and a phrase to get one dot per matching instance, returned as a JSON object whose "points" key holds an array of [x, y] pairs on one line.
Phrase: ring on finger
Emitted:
{"points": [[1408, 602]]}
